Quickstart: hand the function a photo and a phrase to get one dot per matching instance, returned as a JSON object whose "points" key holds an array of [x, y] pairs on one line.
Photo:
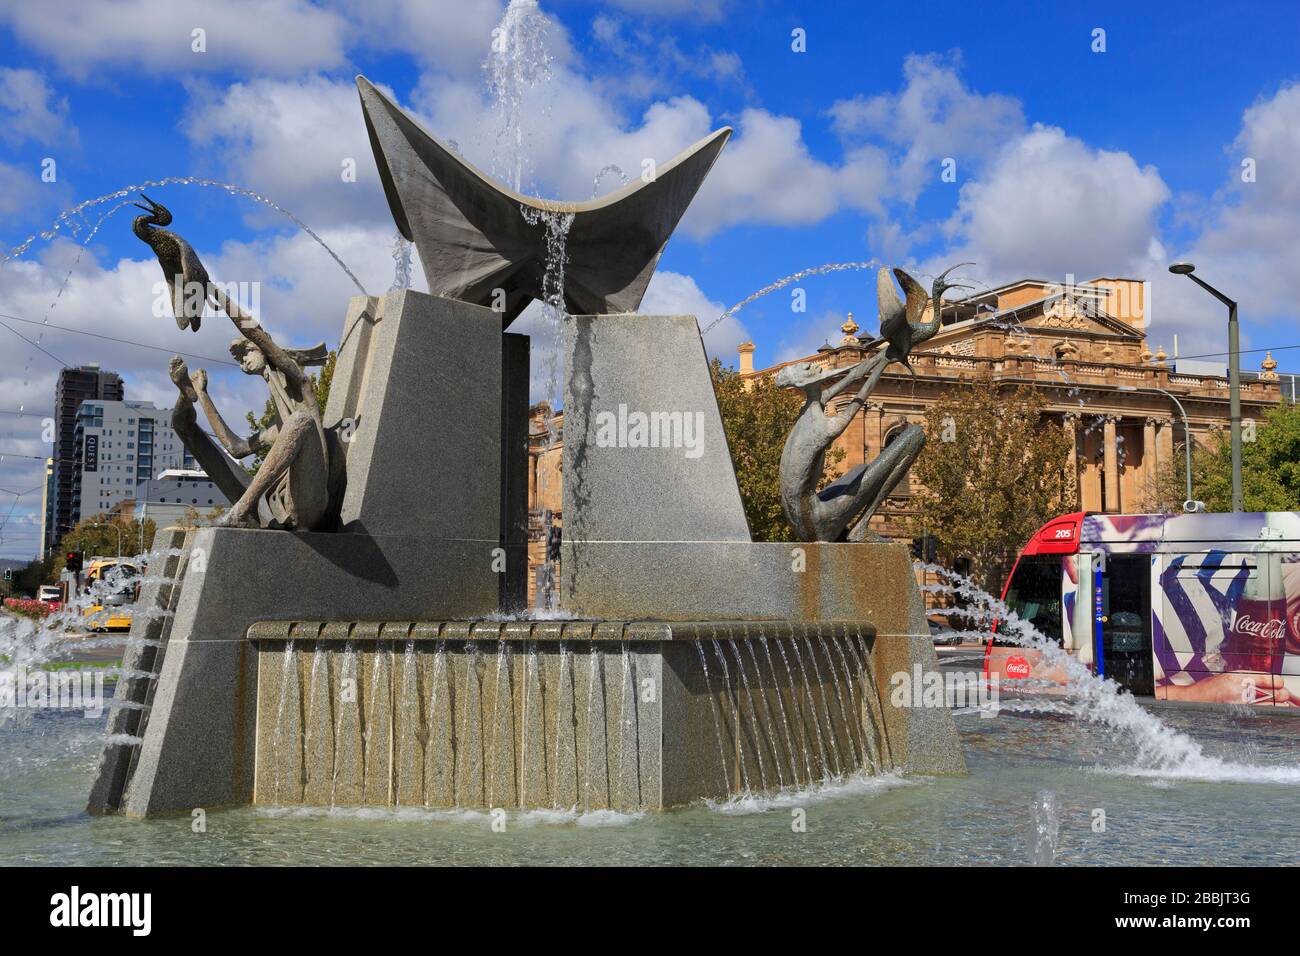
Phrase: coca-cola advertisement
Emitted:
{"points": [[1227, 623]]}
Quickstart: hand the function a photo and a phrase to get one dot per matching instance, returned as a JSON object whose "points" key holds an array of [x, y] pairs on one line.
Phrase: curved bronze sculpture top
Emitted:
{"points": [[473, 237]]}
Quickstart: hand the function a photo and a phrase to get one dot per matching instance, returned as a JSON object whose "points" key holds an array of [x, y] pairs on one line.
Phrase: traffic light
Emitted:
{"points": [[9, 574], [73, 562]]}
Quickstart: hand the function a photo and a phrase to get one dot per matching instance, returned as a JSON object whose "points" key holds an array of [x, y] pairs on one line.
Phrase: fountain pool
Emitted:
{"points": [[984, 818]]}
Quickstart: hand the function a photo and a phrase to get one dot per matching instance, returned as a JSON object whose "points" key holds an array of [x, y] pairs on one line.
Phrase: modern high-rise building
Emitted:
{"points": [[76, 385], [116, 446], [47, 506]]}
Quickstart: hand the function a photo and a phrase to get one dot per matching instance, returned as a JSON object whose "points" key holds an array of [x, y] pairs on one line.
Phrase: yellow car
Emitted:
{"points": [[107, 614]]}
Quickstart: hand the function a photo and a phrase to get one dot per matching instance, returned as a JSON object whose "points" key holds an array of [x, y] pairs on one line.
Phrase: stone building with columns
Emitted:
{"points": [[1083, 345]]}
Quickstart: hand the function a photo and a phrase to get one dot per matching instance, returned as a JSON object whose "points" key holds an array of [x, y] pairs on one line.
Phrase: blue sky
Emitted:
{"points": [[1069, 161]]}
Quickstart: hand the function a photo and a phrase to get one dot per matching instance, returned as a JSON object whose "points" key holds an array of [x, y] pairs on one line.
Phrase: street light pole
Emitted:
{"points": [[1234, 376], [1187, 438]]}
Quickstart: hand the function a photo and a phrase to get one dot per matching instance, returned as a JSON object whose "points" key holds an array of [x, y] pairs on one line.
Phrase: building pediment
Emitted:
{"points": [[1056, 313]]}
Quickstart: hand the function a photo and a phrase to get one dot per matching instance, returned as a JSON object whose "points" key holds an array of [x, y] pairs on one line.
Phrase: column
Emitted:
{"points": [[1151, 460], [1072, 497], [1165, 438], [1110, 449]]}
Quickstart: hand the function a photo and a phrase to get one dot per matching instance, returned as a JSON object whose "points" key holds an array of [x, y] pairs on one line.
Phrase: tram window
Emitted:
{"points": [[1035, 593]]}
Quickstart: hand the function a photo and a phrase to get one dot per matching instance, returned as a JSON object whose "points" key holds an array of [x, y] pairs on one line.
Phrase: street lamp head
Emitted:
{"points": [[1182, 268]]}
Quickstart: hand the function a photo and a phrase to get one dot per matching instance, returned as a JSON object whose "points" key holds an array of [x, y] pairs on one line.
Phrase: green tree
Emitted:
{"points": [[1270, 465], [320, 384], [757, 420], [992, 471], [102, 535], [27, 579]]}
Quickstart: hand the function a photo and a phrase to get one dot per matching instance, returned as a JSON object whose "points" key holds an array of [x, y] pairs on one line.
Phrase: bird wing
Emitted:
{"points": [[195, 277], [917, 297], [892, 312]]}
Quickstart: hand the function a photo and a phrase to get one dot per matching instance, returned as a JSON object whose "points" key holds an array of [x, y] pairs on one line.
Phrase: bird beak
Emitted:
{"points": [[943, 275], [941, 285]]}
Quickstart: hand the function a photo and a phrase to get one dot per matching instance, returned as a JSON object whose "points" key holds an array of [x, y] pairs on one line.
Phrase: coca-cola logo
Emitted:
{"points": [[1272, 629], [1017, 668]]}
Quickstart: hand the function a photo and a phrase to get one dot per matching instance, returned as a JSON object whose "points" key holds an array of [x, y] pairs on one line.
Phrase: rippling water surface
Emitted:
{"points": [[985, 818]]}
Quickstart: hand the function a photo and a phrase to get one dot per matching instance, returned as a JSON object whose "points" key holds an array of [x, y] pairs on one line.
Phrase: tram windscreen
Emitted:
{"points": [[1035, 593]]}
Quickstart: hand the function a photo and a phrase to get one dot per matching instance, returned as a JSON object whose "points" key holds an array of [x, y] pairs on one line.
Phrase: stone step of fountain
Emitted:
{"points": [[562, 630], [142, 661]]}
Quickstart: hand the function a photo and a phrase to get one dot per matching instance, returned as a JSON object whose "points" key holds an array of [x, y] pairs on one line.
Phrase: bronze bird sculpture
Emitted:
{"points": [[900, 322], [186, 278]]}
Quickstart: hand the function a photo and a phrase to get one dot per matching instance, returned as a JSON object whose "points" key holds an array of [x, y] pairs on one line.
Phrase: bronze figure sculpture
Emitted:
{"points": [[852, 499], [290, 488]]}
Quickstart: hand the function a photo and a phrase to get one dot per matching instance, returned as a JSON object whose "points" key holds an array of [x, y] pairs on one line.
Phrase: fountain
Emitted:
{"points": [[355, 633]]}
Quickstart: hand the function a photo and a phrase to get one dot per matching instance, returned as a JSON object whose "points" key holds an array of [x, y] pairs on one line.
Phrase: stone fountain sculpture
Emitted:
{"points": [[383, 659]]}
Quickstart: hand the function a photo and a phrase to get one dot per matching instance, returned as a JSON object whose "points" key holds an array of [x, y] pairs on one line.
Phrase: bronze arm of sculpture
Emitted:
{"points": [[226, 474], [237, 447]]}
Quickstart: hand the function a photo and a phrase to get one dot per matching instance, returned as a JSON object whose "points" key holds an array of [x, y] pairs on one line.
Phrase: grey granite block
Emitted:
{"points": [[616, 488], [415, 415]]}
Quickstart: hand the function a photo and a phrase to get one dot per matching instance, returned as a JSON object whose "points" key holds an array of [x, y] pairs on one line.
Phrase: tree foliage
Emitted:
{"points": [[757, 420], [993, 472], [30, 577], [103, 535], [1270, 468]]}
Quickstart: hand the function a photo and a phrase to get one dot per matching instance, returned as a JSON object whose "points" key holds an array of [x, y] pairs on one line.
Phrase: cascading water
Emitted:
{"points": [[735, 710], [782, 283], [1045, 828], [401, 262], [605, 171], [552, 319], [30, 646], [519, 62], [285, 737], [1160, 750], [755, 734]]}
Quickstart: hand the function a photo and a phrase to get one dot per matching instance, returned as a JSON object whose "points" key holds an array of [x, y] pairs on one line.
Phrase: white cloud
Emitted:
{"points": [[290, 139], [1050, 205], [451, 36], [707, 10], [765, 175], [281, 37], [287, 138], [933, 117], [29, 110], [1247, 249]]}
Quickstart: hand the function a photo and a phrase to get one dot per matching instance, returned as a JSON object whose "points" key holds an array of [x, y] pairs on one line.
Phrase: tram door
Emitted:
{"points": [[1122, 595]]}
